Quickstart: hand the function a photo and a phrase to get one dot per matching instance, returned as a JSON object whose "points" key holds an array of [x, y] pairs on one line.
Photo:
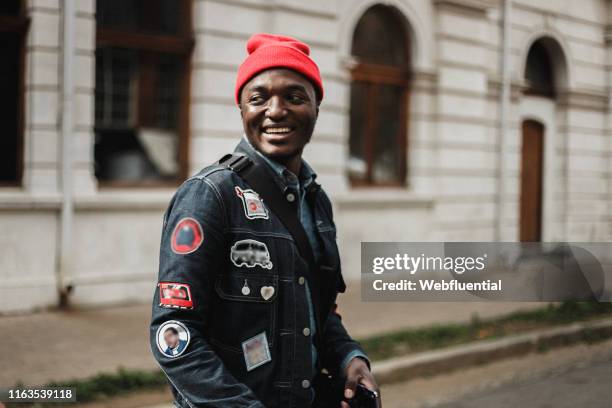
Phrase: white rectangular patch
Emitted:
{"points": [[256, 351], [252, 204]]}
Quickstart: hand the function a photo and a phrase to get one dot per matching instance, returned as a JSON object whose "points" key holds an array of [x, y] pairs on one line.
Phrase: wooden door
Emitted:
{"points": [[531, 181]]}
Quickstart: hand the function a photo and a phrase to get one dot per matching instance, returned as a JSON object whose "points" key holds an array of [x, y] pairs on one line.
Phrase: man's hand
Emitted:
{"points": [[357, 372]]}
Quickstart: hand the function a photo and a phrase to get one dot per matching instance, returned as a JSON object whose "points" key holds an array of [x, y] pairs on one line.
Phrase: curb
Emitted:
{"points": [[486, 351]]}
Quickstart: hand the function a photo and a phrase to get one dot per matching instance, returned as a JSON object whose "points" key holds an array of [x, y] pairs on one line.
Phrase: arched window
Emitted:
{"points": [[539, 73], [379, 99]]}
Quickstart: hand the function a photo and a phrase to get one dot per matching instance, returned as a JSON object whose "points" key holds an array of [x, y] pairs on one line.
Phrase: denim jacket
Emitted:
{"points": [[232, 285]]}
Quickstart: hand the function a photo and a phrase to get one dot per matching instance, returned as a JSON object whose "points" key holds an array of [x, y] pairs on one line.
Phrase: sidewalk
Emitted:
{"points": [[55, 346]]}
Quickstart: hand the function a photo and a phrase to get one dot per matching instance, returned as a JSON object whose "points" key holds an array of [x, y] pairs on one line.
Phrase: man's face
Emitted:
{"points": [[171, 338], [279, 110]]}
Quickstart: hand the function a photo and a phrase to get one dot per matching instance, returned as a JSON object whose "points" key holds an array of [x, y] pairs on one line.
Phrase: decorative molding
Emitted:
{"points": [[377, 198], [608, 34], [120, 200], [590, 99], [275, 5], [116, 200], [584, 99], [494, 85], [475, 8], [17, 200], [424, 79]]}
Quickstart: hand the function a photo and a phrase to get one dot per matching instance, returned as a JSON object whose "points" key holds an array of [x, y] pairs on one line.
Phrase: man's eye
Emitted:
{"points": [[294, 98], [255, 99]]}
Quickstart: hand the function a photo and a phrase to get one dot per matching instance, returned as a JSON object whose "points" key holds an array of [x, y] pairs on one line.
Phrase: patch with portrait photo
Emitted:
{"points": [[172, 338]]}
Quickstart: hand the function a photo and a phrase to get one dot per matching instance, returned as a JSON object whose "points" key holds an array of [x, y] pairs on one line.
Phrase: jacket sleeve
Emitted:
{"points": [[192, 245], [339, 347]]}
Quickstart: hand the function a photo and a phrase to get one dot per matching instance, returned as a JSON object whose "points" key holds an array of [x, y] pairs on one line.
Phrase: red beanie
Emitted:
{"points": [[277, 51]]}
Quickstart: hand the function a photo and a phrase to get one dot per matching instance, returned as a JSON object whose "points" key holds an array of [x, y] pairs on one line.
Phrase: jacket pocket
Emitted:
{"points": [[245, 287], [245, 306]]}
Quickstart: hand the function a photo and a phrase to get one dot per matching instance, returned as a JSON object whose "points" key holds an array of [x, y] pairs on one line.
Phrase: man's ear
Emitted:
{"points": [[240, 102]]}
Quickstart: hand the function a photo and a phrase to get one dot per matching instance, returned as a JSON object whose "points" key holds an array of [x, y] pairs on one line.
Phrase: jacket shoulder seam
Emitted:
{"points": [[208, 171], [218, 194]]}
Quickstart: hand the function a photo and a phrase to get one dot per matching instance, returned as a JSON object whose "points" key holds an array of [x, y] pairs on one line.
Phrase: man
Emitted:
{"points": [[174, 343], [261, 318]]}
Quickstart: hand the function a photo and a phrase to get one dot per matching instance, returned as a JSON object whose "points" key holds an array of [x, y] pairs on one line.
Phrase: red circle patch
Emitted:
{"points": [[187, 236]]}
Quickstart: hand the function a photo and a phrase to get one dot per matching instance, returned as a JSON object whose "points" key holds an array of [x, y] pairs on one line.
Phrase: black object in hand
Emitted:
{"points": [[329, 391], [363, 398]]}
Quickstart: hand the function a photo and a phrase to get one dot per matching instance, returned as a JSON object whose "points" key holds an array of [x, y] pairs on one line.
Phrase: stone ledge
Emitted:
{"points": [[381, 198], [126, 200], [104, 200]]}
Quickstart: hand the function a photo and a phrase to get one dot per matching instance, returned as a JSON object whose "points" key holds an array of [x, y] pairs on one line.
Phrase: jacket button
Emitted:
{"points": [[305, 384], [306, 331], [290, 197], [301, 280]]}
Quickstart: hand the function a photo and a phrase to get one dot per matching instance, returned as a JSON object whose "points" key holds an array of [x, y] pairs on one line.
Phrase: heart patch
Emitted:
{"points": [[267, 292]]}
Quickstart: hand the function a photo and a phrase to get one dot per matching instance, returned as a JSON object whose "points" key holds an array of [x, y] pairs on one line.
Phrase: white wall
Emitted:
{"points": [[453, 132]]}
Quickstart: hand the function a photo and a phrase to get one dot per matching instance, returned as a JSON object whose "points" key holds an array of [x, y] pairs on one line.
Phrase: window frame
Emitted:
{"points": [[19, 24], [373, 75], [181, 45]]}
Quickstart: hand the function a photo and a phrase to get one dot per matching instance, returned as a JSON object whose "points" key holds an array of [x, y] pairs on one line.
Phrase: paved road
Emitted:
{"points": [[579, 376], [589, 386]]}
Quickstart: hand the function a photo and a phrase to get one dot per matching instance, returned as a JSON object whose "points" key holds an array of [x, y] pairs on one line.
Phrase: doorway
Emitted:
{"points": [[532, 158]]}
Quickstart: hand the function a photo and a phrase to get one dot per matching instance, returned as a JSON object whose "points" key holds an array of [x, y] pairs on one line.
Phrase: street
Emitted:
{"points": [[587, 386], [569, 377], [577, 376]]}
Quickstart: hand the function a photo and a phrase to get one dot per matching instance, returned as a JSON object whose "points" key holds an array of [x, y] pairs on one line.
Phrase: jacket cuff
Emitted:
{"points": [[352, 355]]}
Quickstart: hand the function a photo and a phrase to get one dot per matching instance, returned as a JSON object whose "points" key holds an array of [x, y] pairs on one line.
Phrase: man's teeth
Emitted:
{"points": [[278, 130]]}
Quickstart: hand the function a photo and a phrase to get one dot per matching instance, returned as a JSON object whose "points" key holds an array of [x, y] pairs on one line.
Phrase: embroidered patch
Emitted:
{"points": [[172, 338], [249, 253], [256, 351], [187, 236], [172, 294], [253, 206]]}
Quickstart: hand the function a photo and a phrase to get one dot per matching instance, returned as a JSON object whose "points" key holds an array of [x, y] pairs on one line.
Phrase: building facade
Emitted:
{"points": [[443, 120]]}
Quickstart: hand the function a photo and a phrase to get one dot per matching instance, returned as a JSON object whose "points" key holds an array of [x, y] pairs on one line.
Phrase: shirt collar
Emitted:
{"points": [[306, 177]]}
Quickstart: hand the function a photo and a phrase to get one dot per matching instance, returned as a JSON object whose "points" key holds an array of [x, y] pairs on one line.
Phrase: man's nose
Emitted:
{"points": [[276, 108]]}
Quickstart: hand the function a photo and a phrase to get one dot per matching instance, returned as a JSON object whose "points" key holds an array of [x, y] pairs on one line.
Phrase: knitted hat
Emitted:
{"points": [[277, 51]]}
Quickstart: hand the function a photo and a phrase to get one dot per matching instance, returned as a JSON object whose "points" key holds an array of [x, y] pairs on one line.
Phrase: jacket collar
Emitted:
{"points": [[282, 176]]}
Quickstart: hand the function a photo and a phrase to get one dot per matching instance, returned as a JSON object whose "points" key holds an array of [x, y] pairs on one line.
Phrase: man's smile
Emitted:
{"points": [[277, 130], [277, 134]]}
